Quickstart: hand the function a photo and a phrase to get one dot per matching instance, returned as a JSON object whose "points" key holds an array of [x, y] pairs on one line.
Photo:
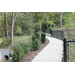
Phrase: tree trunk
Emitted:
{"points": [[6, 23], [46, 20], [11, 23], [12, 28], [60, 19]]}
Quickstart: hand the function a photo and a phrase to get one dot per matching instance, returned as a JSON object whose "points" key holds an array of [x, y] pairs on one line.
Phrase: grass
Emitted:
{"points": [[18, 39], [72, 26], [54, 28], [8, 60]]}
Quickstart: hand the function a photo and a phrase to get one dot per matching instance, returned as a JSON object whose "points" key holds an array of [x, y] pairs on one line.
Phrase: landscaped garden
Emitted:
{"points": [[18, 30], [24, 50]]}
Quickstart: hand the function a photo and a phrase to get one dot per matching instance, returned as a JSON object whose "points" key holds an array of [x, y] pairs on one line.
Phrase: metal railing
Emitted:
{"points": [[69, 50], [58, 34]]}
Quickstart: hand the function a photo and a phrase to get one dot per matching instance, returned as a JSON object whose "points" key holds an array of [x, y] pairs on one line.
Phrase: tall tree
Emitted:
{"points": [[13, 17], [60, 19], [30, 24], [47, 20], [6, 23]]}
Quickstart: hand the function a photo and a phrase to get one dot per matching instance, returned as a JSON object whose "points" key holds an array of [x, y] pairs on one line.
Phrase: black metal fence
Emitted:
{"points": [[68, 45], [55, 33], [58, 34], [70, 34], [69, 50]]}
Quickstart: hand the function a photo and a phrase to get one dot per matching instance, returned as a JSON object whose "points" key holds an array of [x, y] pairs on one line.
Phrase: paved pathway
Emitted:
{"points": [[52, 52]]}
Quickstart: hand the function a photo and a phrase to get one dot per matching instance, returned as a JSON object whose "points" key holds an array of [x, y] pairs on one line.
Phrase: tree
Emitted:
{"points": [[60, 19], [2, 25], [6, 23], [13, 17], [19, 30], [47, 20]]}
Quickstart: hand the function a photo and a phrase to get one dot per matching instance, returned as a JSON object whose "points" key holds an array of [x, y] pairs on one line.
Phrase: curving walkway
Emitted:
{"points": [[52, 52]]}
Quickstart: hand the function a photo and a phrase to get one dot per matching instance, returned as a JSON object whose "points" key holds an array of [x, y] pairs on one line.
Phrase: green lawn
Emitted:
{"points": [[21, 39], [54, 28], [71, 26]]}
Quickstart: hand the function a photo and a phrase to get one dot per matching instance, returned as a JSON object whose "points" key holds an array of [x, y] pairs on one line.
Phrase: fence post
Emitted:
{"points": [[65, 50]]}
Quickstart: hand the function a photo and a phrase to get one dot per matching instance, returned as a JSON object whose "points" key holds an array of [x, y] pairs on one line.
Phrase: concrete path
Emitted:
{"points": [[52, 52]]}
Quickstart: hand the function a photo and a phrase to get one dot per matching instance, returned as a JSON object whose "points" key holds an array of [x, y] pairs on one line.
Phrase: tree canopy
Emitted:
{"points": [[28, 22]]}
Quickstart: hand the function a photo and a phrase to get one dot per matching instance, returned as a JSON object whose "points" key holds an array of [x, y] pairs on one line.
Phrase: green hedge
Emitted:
{"points": [[36, 40], [26, 47], [20, 50], [36, 44], [43, 37], [36, 36]]}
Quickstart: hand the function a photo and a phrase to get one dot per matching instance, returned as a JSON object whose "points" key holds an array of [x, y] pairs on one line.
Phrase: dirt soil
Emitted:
{"points": [[30, 56]]}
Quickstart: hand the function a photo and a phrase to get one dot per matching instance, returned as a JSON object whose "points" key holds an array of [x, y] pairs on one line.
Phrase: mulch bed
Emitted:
{"points": [[30, 56]]}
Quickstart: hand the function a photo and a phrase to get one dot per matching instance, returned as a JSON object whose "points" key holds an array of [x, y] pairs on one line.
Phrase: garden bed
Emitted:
{"points": [[31, 55]]}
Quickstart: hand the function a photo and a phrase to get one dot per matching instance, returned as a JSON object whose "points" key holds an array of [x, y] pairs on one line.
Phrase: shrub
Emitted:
{"points": [[36, 44], [36, 36], [33, 37], [26, 47], [18, 52], [5, 42], [43, 37]]}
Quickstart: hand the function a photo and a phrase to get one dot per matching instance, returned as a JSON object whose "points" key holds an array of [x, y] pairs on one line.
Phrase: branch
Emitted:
{"points": [[15, 16]]}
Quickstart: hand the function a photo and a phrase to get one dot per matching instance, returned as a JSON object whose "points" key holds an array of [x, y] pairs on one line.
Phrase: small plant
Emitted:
{"points": [[36, 44], [26, 47], [33, 37], [36, 36], [18, 52], [43, 37]]}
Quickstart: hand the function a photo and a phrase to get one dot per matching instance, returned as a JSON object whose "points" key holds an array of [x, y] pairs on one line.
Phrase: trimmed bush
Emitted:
{"points": [[36, 36], [33, 37], [18, 52], [36, 44], [26, 47], [43, 37]]}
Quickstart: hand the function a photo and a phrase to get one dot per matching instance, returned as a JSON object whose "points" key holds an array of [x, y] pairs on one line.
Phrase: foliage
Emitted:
{"points": [[18, 52], [26, 47], [43, 37], [2, 26], [19, 30], [67, 19], [36, 36], [5, 42], [33, 37], [29, 22], [36, 44], [2, 31]]}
